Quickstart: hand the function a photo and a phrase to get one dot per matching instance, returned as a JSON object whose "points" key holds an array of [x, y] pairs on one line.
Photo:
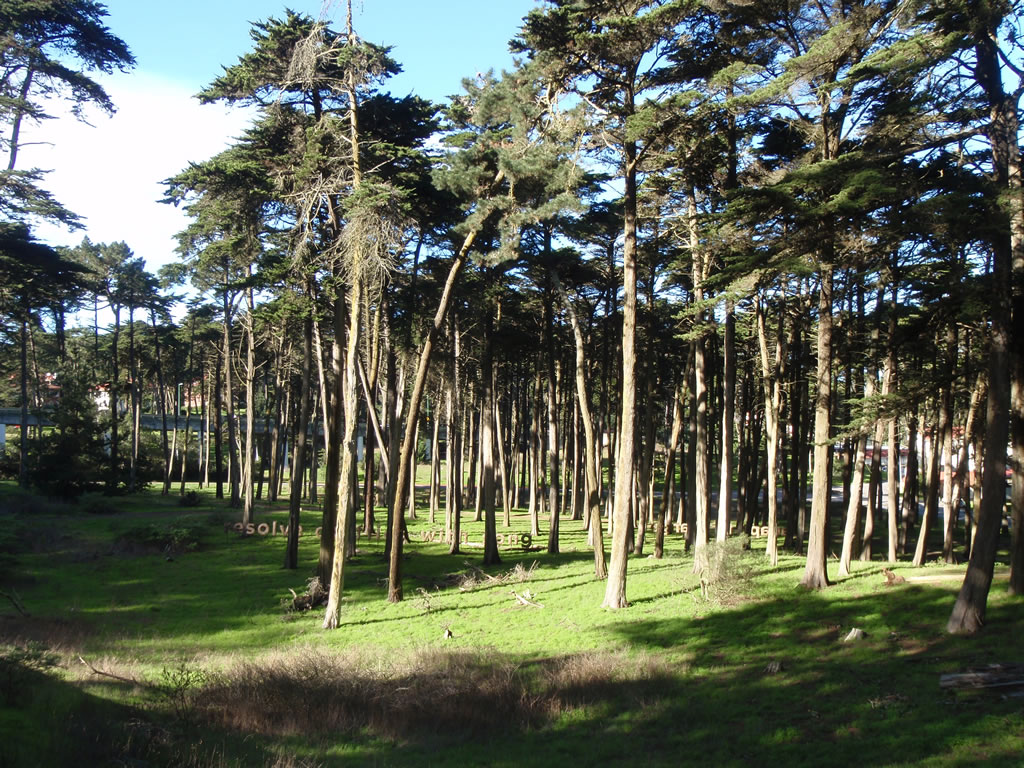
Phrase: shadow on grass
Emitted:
{"points": [[761, 683]]}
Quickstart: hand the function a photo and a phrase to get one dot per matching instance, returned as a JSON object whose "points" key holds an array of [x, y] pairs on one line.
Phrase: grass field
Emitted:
{"points": [[133, 654]]}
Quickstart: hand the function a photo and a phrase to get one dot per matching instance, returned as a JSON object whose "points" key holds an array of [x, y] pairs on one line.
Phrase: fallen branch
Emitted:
{"points": [[524, 599], [479, 573], [109, 674], [992, 676], [15, 601]]}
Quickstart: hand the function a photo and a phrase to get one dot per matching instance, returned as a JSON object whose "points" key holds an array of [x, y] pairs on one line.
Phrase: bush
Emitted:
{"points": [[180, 686], [69, 459], [171, 538], [726, 570], [16, 664], [9, 461]]}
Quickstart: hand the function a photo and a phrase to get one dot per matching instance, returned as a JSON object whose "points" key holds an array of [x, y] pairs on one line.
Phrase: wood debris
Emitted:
{"points": [[892, 578], [1003, 676], [526, 599]]}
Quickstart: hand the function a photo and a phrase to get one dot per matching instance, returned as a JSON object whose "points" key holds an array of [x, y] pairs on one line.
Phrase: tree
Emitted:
{"points": [[49, 48], [32, 276], [979, 24], [610, 54]]}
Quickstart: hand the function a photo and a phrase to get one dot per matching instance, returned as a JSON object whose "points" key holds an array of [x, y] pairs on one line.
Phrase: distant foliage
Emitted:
{"points": [[171, 538], [69, 459]]}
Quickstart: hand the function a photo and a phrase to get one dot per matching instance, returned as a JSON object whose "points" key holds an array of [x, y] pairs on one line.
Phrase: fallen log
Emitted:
{"points": [[992, 676]]}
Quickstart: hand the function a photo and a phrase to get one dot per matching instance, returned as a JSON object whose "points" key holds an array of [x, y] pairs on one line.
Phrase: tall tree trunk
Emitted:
{"points": [[554, 498], [250, 411], [728, 423], [453, 507], [908, 515], [502, 466], [615, 591], [229, 403], [491, 556], [815, 572], [1007, 262], [931, 494], [591, 455], [162, 403], [771, 374], [115, 383], [668, 494], [702, 488], [291, 556], [135, 397], [347, 396], [23, 437]]}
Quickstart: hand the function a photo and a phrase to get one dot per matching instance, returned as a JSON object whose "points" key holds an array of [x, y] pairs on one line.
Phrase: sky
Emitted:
{"points": [[109, 170]]}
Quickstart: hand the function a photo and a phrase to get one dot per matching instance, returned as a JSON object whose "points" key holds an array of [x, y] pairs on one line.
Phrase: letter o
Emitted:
{"points": [[262, 529]]}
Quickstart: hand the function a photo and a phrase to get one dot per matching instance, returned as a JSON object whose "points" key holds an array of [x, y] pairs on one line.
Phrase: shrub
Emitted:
{"points": [[726, 570], [180, 686], [15, 666], [171, 538]]}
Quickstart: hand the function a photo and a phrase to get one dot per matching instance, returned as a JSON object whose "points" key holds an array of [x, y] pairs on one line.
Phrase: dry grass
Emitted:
{"points": [[426, 692], [474, 577], [581, 680], [64, 636]]}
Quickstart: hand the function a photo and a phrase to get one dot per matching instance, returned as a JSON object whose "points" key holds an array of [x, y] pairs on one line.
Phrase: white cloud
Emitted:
{"points": [[110, 172]]}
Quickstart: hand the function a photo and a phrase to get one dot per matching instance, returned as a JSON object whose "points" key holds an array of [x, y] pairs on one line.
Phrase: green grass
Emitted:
{"points": [[674, 679]]}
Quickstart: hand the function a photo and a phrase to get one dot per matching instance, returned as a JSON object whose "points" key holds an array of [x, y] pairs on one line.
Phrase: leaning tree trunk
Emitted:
{"points": [[415, 398], [591, 455]]}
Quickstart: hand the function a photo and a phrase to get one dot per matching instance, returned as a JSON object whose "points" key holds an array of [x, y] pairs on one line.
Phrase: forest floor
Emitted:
{"points": [[156, 634]]}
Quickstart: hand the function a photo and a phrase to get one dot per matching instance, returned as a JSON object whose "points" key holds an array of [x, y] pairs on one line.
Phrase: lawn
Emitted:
{"points": [[132, 651]]}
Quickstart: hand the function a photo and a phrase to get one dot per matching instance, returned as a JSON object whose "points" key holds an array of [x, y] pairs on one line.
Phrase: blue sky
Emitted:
{"points": [[438, 43], [109, 170]]}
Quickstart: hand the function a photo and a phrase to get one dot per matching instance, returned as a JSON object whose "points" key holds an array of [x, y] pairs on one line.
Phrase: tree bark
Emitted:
{"points": [[815, 572], [615, 590]]}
